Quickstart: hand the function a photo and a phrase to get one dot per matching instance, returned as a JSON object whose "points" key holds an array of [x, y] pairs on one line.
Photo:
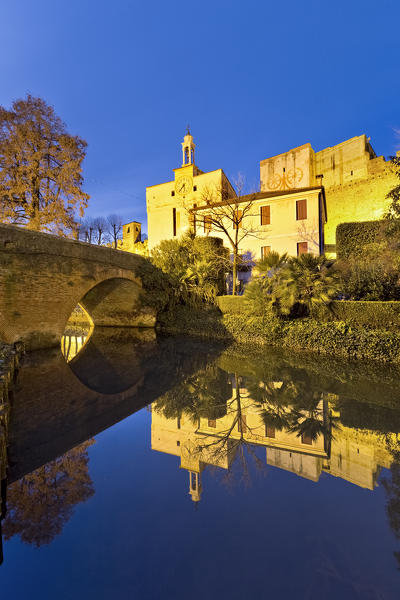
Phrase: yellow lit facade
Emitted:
{"points": [[343, 183], [132, 239], [168, 204]]}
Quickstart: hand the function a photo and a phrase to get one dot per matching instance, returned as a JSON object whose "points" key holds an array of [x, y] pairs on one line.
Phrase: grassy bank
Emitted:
{"points": [[333, 337]]}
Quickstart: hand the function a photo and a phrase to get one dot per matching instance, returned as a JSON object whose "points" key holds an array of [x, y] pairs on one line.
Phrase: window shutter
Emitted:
{"points": [[301, 210], [269, 431], [302, 248], [265, 215]]}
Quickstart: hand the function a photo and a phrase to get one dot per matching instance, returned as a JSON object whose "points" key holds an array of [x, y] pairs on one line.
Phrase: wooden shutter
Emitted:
{"points": [[269, 431], [301, 210], [212, 422], [302, 248], [265, 215], [265, 250], [306, 439]]}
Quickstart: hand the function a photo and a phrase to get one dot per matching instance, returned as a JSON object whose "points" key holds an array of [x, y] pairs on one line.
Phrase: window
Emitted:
{"points": [[195, 188], [212, 422], [301, 210], [265, 215], [128, 230], [265, 250], [178, 443], [302, 248], [242, 426], [269, 431], [172, 193], [174, 221], [237, 224], [306, 439], [207, 224]]}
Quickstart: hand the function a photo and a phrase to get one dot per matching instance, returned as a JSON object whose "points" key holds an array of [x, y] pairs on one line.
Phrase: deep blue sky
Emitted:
{"points": [[253, 79]]}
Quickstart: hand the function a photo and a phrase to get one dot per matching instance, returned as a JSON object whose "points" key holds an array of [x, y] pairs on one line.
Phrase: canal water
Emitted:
{"points": [[160, 467]]}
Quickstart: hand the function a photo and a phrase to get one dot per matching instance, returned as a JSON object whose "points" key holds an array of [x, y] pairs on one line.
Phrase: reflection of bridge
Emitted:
{"points": [[43, 277], [57, 405]]}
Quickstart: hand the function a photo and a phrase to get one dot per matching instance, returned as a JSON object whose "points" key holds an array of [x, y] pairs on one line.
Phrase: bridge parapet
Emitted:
{"points": [[43, 277]]}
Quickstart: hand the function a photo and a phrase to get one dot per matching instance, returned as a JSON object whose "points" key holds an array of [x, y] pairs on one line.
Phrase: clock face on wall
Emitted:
{"points": [[183, 185]]}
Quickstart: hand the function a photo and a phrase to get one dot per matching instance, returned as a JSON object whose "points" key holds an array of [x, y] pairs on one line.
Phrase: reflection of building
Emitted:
{"points": [[356, 456], [304, 196]]}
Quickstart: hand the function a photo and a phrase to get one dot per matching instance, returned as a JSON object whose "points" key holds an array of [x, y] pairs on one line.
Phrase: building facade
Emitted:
{"points": [[354, 178], [169, 204], [303, 196]]}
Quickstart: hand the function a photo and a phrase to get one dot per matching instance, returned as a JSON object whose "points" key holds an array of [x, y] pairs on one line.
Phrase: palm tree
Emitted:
{"points": [[306, 280], [259, 294]]}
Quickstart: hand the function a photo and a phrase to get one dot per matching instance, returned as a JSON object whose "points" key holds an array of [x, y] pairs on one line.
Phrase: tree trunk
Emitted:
{"points": [[234, 272]]}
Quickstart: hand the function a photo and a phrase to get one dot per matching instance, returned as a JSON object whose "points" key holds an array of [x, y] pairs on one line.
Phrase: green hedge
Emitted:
{"points": [[371, 314], [352, 238], [324, 338], [231, 304]]}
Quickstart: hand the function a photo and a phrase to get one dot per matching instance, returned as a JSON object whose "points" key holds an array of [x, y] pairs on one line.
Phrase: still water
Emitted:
{"points": [[144, 467]]}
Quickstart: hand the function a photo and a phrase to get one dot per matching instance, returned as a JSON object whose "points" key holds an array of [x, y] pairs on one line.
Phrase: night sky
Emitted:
{"points": [[252, 78]]}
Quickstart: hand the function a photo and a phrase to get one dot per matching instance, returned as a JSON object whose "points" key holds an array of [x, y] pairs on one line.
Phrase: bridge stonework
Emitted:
{"points": [[43, 277]]}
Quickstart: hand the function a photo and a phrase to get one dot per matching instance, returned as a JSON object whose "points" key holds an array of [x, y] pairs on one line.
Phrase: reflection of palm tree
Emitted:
{"points": [[292, 404]]}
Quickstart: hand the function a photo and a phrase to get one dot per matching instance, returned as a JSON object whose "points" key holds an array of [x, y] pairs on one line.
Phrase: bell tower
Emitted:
{"points": [[188, 149]]}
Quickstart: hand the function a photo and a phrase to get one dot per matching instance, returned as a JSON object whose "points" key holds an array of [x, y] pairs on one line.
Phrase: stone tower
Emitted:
{"points": [[188, 148]]}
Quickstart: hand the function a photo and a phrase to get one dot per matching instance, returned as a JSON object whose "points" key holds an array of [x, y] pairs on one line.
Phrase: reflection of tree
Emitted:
{"points": [[294, 404], [41, 503], [202, 394]]}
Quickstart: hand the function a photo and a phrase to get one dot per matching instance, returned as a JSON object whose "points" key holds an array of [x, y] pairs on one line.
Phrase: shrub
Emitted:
{"points": [[231, 304], [356, 239], [376, 315]]}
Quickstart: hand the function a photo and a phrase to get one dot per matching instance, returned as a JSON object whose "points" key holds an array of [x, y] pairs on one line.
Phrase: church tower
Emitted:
{"points": [[188, 149]]}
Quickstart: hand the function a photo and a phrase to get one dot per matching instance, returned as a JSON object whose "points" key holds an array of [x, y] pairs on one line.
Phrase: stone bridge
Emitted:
{"points": [[43, 277]]}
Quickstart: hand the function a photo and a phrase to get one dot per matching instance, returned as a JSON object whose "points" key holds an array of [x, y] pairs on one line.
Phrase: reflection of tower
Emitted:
{"points": [[195, 486], [188, 149]]}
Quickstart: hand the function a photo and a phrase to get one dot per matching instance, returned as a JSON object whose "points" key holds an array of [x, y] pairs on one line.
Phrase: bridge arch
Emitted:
{"points": [[43, 278]]}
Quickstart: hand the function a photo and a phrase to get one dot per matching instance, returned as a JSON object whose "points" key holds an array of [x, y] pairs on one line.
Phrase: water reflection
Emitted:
{"points": [[72, 343], [42, 502], [299, 427], [215, 408]]}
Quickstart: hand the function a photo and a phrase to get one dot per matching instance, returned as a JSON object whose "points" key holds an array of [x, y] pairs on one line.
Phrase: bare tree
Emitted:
{"points": [[230, 216], [114, 223], [85, 230], [100, 230]]}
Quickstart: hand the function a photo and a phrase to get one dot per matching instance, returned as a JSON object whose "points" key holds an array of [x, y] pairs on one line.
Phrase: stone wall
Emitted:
{"points": [[43, 277], [361, 200]]}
